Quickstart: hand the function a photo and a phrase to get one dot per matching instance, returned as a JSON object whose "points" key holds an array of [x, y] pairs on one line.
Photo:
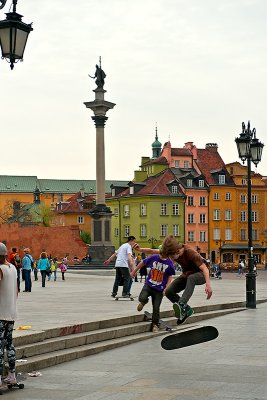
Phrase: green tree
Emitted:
{"points": [[42, 214], [86, 237]]}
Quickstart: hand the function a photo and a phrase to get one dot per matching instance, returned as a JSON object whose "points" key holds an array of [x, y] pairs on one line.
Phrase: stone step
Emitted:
{"points": [[56, 350]]}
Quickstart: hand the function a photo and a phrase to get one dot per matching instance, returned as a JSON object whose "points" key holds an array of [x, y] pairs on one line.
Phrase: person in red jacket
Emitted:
{"points": [[14, 258]]}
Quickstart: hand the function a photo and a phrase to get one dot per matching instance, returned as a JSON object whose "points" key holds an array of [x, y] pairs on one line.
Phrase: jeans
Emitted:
{"points": [[156, 297], [43, 273], [6, 341], [55, 275], [184, 283], [18, 278], [122, 275], [28, 281]]}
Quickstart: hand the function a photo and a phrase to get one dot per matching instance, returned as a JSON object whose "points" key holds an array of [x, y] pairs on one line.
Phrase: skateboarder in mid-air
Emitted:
{"points": [[194, 272], [159, 277]]}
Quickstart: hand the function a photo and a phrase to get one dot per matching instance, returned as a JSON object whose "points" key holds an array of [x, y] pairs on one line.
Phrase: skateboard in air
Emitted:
{"points": [[148, 317], [189, 337]]}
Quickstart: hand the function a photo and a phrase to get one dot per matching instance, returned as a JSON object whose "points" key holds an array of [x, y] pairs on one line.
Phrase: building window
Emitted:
{"points": [[201, 183], [228, 215], [244, 182], [216, 215], [177, 163], [216, 196], [228, 234], [243, 216], [243, 234], [175, 230], [191, 236], [186, 164], [221, 179], [190, 200], [190, 218], [243, 198], [202, 218], [216, 234], [143, 230], [254, 199], [254, 216], [189, 182], [164, 230], [175, 209], [116, 232], [113, 192], [202, 236], [163, 209], [131, 189], [80, 220], [126, 210], [116, 212], [174, 189], [126, 230], [228, 196], [202, 201], [142, 209], [255, 235]]}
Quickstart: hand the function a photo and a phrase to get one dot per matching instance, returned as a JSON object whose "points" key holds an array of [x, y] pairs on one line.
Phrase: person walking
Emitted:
{"points": [[53, 266], [124, 261], [158, 279], [27, 263], [43, 265], [63, 268], [14, 258], [8, 314]]}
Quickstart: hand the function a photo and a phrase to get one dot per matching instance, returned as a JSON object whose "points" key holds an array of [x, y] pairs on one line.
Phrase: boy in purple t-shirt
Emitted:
{"points": [[159, 277]]}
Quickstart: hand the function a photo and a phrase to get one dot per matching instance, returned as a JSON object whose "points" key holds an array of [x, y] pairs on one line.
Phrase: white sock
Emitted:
{"points": [[0, 380]]}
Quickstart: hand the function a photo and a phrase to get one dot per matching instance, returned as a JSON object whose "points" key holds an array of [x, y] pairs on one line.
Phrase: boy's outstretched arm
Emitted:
{"points": [[106, 262], [206, 274], [146, 250]]}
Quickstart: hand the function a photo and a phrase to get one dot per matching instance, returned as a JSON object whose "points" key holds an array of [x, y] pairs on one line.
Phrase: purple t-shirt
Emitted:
{"points": [[160, 271]]}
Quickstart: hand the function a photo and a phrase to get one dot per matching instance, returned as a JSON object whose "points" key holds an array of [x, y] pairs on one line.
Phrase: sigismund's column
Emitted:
{"points": [[101, 247]]}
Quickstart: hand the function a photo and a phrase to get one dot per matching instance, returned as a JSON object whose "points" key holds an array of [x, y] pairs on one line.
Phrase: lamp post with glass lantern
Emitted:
{"points": [[250, 149], [13, 35]]}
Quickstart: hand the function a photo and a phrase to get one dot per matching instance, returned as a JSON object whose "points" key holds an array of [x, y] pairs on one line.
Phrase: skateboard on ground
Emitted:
{"points": [[9, 386], [148, 317], [125, 298], [189, 337]]}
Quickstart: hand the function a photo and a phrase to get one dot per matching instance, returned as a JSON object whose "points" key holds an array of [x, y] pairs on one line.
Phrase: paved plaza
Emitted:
{"points": [[231, 367]]}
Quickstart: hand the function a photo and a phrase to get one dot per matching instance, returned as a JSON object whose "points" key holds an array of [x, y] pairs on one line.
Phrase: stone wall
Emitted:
{"points": [[57, 241]]}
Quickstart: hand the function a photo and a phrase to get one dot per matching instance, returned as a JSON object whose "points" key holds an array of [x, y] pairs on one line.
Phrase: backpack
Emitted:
{"points": [[17, 261]]}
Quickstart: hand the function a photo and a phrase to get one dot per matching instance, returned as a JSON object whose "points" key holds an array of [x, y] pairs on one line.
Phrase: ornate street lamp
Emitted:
{"points": [[13, 35], [250, 149], [153, 241]]}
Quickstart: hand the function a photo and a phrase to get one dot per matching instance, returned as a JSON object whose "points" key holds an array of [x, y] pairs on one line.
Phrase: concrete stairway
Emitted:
{"points": [[54, 346]]}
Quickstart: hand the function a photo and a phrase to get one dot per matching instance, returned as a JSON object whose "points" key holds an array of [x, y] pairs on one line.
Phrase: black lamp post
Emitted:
{"points": [[13, 35], [152, 240], [250, 149]]}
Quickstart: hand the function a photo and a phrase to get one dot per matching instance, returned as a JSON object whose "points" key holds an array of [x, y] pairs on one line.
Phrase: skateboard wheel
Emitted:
{"points": [[9, 386], [21, 385], [116, 299], [132, 299]]}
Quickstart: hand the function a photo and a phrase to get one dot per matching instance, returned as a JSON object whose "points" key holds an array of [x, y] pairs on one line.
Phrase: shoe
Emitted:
{"points": [[182, 310], [140, 307], [113, 294], [10, 380], [126, 296], [187, 311], [155, 328]]}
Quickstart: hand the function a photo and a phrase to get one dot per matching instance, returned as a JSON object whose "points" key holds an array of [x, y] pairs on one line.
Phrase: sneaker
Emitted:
{"points": [[140, 307], [155, 328], [188, 312], [182, 310], [10, 380], [113, 295], [126, 296]]}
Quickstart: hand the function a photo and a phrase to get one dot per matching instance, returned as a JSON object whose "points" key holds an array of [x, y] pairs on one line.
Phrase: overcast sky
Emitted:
{"points": [[197, 68]]}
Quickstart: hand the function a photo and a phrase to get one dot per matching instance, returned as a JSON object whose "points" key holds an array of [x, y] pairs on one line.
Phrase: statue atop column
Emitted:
{"points": [[99, 76]]}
